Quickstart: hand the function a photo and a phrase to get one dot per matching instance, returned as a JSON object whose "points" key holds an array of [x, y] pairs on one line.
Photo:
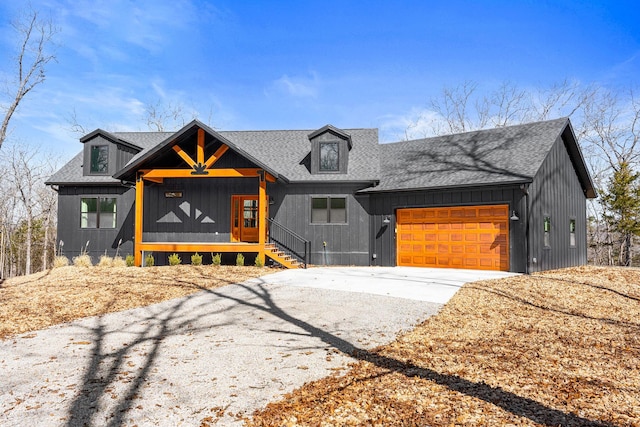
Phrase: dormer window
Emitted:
{"points": [[329, 151], [99, 159], [329, 157]]}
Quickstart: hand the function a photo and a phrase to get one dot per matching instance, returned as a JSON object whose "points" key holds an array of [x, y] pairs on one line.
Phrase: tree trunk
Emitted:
{"points": [[27, 258], [627, 249]]}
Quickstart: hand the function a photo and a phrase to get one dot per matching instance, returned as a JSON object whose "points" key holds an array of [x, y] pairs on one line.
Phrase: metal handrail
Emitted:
{"points": [[289, 242]]}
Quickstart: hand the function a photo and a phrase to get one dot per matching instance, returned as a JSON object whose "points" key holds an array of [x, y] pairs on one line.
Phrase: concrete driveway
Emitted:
{"points": [[217, 354], [436, 285]]}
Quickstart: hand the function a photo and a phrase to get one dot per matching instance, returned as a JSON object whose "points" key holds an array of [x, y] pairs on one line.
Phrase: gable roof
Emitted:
{"points": [[144, 156], [282, 153], [506, 155]]}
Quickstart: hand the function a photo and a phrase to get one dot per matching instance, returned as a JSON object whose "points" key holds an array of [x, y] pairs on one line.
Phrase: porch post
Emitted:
{"points": [[262, 214], [137, 240]]}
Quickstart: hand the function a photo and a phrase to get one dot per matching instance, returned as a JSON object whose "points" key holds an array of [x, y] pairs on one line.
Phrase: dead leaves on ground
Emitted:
{"points": [[33, 302], [556, 348]]}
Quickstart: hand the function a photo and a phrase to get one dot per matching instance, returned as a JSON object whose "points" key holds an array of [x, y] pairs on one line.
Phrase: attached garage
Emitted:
{"points": [[474, 237]]}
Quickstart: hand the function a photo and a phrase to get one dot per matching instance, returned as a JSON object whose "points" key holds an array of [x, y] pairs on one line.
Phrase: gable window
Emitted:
{"points": [[329, 157], [328, 210], [99, 159], [572, 233], [547, 231], [98, 212]]}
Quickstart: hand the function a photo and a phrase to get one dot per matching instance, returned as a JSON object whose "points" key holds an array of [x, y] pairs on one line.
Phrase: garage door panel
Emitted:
{"points": [[456, 237]]}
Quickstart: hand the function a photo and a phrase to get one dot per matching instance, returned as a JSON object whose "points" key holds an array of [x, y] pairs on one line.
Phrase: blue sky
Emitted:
{"points": [[242, 65]]}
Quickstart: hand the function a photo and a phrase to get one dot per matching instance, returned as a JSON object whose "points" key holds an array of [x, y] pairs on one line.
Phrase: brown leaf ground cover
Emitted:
{"points": [[560, 348], [33, 302]]}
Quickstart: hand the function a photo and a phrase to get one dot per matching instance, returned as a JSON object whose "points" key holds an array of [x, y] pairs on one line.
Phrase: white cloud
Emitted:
{"points": [[415, 124], [299, 87]]}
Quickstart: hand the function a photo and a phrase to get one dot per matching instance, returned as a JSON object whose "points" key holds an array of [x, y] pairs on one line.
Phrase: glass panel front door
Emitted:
{"points": [[244, 218]]}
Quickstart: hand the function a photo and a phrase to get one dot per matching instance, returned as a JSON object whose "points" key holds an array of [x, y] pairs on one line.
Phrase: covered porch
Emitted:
{"points": [[233, 223]]}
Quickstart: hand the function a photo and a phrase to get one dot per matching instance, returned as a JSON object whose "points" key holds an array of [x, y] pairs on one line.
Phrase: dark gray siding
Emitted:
{"points": [[557, 193], [383, 236], [202, 214], [346, 244], [343, 153], [119, 155], [100, 240]]}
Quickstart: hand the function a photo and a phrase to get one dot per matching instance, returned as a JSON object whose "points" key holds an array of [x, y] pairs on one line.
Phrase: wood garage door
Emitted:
{"points": [[474, 237]]}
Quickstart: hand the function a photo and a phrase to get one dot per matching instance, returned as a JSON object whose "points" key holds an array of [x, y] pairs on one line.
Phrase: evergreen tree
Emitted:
{"points": [[621, 202]]}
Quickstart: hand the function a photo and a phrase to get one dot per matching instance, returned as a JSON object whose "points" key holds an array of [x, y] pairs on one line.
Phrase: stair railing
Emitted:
{"points": [[289, 242]]}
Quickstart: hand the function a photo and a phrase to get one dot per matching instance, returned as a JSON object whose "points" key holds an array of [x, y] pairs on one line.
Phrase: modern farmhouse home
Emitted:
{"points": [[511, 198]]}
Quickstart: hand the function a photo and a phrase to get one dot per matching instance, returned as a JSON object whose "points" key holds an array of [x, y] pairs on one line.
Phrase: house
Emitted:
{"points": [[510, 198]]}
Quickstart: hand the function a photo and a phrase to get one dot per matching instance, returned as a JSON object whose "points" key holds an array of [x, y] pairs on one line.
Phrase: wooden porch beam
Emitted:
{"points": [[200, 247], [137, 239], [210, 173], [184, 155], [200, 149], [262, 214], [214, 158], [156, 180]]}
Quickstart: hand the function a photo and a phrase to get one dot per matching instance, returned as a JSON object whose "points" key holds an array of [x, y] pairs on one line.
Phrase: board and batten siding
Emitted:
{"points": [[119, 155], [557, 193], [346, 244], [202, 214], [99, 239], [382, 205]]}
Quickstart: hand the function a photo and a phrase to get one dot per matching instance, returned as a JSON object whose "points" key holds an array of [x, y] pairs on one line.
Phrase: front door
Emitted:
{"points": [[244, 218]]}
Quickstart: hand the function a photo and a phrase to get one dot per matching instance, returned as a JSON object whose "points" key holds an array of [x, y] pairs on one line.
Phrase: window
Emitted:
{"points": [[98, 212], [329, 157], [99, 159], [328, 210], [547, 231], [572, 233]]}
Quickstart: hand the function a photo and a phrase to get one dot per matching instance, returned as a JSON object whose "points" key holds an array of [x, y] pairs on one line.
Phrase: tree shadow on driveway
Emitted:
{"points": [[506, 400], [107, 367]]}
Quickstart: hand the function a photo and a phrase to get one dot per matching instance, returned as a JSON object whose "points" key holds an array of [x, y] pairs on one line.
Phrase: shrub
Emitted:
{"points": [[216, 259], [130, 260], [82, 261], [105, 261], [259, 261], [118, 261], [149, 261], [196, 259], [174, 259], [240, 260], [60, 261]]}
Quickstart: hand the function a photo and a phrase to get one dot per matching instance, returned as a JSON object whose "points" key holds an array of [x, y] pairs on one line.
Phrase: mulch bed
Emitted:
{"points": [[560, 348], [40, 300]]}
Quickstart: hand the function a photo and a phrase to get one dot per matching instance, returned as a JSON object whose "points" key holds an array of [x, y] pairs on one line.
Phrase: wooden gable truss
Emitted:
{"points": [[201, 168]]}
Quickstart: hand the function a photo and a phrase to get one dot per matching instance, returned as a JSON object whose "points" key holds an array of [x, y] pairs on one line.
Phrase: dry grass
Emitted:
{"points": [[559, 348], [63, 294]]}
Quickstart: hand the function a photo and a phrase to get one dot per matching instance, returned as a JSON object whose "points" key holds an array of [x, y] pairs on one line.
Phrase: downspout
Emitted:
{"points": [[525, 190]]}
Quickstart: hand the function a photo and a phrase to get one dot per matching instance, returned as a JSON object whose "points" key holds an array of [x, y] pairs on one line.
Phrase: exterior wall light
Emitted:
{"points": [[514, 216], [386, 220]]}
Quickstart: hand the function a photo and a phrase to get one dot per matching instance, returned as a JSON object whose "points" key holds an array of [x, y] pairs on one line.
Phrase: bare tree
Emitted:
{"points": [[158, 116], [606, 122], [25, 175], [35, 38], [74, 124], [463, 108]]}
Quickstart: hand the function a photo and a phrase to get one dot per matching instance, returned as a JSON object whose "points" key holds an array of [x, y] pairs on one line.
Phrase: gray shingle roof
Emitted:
{"points": [[495, 156], [504, 155], [286, 153], [71, 173], [283, 151]]}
